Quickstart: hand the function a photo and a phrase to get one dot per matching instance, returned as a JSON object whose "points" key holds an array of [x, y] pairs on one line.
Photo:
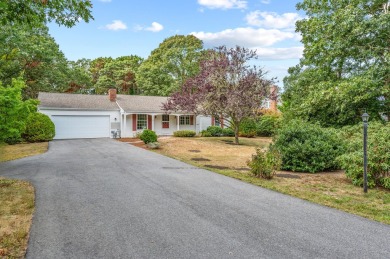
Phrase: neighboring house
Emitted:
{"points": [[98, 116]]}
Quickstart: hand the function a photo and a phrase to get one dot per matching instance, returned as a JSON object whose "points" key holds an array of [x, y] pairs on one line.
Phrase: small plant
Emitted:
{"points": [[215, 131], [39, 127], [184, 133], [205, 133], [228, 132], [148, 136], [265, 163]]}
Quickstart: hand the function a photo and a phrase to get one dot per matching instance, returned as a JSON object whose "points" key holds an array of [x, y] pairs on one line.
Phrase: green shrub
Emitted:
{"points": [[215, 131], [13, 137], [267, 125], [148, 136], [248, 128], [378, 153], [184, 133], [265, 163], [39, 127], [205, 133], [228, 132], [306, 147]]}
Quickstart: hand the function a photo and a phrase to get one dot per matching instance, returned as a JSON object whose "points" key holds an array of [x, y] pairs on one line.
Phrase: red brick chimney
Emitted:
{"points": [[112, 95]]}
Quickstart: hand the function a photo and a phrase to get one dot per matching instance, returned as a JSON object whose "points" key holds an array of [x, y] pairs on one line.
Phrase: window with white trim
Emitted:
{"points": [[142, 121], [185, 120], [165, 121]]}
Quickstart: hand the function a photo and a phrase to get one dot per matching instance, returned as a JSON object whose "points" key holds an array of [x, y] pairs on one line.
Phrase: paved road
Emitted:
{"points": [[105, 199]]}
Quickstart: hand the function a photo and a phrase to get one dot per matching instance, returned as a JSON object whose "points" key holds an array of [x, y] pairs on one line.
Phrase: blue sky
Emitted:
{"points": [[136, 27]]}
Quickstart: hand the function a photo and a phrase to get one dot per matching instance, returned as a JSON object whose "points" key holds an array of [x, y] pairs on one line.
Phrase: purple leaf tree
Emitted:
{"points": [[226, 86]]}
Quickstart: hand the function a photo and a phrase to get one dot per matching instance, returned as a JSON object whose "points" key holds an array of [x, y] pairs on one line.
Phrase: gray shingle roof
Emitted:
{"points": [[138, 103], [129, 103], [76, 101]]}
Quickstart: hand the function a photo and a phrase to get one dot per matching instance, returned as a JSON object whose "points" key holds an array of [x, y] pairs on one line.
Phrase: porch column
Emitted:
{"points": [[124, 125], [178, 121], [152, 122]]}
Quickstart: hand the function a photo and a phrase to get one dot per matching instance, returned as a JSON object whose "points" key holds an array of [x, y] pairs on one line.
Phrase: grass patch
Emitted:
{"points": [[16, 202], [12, 152], [331, 189], [16, 209]]}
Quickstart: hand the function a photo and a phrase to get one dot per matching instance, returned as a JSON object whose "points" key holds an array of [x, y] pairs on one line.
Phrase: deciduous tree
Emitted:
{"points": [[168, 66], [14, 111], [226, 86], [36, 12], [32, 53], [346, 63]]}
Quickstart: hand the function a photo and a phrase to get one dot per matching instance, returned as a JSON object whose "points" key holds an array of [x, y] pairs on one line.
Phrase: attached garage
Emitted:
{"points": [[80, 115], [81, 126]]}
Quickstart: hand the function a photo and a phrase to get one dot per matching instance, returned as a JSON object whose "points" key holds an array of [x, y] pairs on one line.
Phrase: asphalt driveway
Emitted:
{"points": [[101, 198]]}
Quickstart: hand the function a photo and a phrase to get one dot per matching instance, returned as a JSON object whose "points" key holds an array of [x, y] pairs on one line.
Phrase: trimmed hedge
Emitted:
{"points": [[39, 127], [378, 149], [215, 131], [205, 133], [148, 136], [228, 132], [306, 147], [184, 133]]}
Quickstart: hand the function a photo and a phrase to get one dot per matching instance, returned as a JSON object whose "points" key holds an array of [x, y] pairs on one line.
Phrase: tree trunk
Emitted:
{"points": [[236, 128]]}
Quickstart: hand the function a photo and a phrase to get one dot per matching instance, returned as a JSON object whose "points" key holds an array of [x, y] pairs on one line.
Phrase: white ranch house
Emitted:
{"points": [[99, 116]]}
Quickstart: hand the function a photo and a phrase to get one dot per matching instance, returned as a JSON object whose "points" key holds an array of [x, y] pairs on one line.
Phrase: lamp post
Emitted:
{"points": [[365, 120]]}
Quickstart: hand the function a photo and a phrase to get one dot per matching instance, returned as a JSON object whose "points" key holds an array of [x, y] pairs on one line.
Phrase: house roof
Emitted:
{"points": [[76, 101], [139, 103], [129, 103]]}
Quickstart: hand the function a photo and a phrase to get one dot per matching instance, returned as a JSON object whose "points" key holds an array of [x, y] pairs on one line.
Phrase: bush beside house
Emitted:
{"points": [[39, 127], [184, 133], [148, 136]]}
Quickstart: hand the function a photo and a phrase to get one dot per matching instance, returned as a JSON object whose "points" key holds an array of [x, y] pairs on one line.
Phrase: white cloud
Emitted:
{"points": [[223, 4], [279, 53], [116, 25], [266, 1], [156, 27], [272, 20], [246, 37]]}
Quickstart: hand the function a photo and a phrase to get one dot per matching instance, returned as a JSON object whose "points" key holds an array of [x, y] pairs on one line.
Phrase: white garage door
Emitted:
{"points": [[70, 127]]}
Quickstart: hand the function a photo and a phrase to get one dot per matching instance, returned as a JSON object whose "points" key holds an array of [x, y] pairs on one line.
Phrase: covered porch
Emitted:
{"points": [[161, 123]]}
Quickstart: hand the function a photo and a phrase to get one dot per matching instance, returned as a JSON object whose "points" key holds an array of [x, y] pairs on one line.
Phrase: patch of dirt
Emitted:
{"points": [[200, 159], [194, 151], [217, 167], [288, 176]]}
